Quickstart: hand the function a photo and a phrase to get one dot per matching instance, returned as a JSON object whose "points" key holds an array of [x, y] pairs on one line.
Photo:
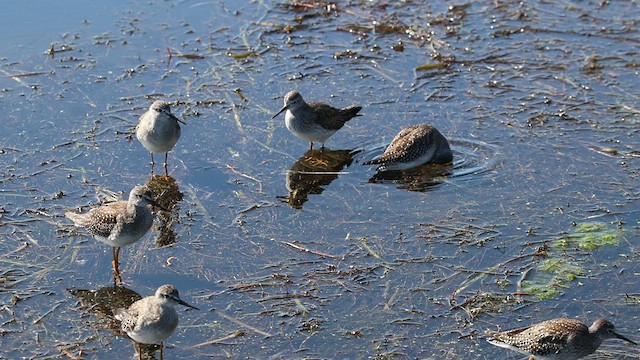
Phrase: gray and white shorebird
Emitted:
{"points": [[557, 339], [314, 121], [159, 130], [119, 223], [414, 145], [152, 319]]}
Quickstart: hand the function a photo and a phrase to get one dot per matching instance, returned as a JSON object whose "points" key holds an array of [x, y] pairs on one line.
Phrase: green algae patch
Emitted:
{"points": [[556, 272], [551, 277], [589, 236], [564, 269], [539, 289], [591, 227]]}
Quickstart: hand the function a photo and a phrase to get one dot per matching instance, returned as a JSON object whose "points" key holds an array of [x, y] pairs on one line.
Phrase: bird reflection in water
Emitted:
{"points": [[421, 178], [166, 190], [310, 176]]}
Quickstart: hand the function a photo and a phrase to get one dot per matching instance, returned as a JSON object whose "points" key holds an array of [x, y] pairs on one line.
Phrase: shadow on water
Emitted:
{"points": [[473, 161], [313, 172], [104, 300]]}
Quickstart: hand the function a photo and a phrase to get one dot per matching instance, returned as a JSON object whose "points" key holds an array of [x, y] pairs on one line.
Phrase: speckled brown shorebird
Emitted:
{"points": [[557, 339], [158, 130], [314, 121], [414, 145], [152, 319], [119, 223]]}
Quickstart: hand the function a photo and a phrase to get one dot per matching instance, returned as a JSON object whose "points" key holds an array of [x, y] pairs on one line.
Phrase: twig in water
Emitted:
{"points": [[245, 325], [304, 249], [36, 321], [246, 176], [234, 334]]}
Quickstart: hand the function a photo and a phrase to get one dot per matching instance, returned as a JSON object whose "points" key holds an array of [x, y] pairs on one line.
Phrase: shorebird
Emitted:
{"points": [[557, 339], [158, 130], [152, 319], [119, 223], [314, 121], [414, 145]]}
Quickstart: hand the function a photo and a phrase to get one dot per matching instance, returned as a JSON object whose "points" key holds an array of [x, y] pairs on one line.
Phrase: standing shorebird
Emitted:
{"points": [[158, 130], [414, 145], [314, 121], [557, 339], [119, 223], [153, 319]]}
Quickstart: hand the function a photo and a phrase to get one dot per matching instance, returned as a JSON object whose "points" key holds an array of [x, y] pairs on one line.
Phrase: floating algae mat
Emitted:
{"points": [[558, 270], [552, 276], [590, 236]]}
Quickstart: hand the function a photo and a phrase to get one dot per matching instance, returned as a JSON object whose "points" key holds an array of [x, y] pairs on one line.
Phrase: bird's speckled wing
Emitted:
{"points": [[522, 339], [399, 147], [542, 338], [103, 220], [331, 118], [127, 317]]}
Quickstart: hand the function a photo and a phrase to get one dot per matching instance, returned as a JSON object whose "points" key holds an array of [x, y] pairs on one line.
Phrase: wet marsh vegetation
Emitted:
{"points": [[289, 257]]}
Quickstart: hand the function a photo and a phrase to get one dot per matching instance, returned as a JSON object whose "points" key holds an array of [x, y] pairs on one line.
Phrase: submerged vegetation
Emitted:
{"points": [[590, 236]]}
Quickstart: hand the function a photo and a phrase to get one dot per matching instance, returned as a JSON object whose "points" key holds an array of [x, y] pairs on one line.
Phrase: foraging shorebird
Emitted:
{"points": [[152, 319], [314, 121], [119, 223], [557, 339], [159, 130], [414, 145]]}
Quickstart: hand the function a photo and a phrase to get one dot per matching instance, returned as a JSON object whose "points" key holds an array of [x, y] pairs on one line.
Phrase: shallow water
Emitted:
{"points": [[290, 258]]}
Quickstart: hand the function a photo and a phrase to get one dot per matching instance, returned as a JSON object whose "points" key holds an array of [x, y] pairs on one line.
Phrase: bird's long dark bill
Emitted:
{"points": [[279, 112], [185, 304], [176, 118], [169, 114], [625, 339]]}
